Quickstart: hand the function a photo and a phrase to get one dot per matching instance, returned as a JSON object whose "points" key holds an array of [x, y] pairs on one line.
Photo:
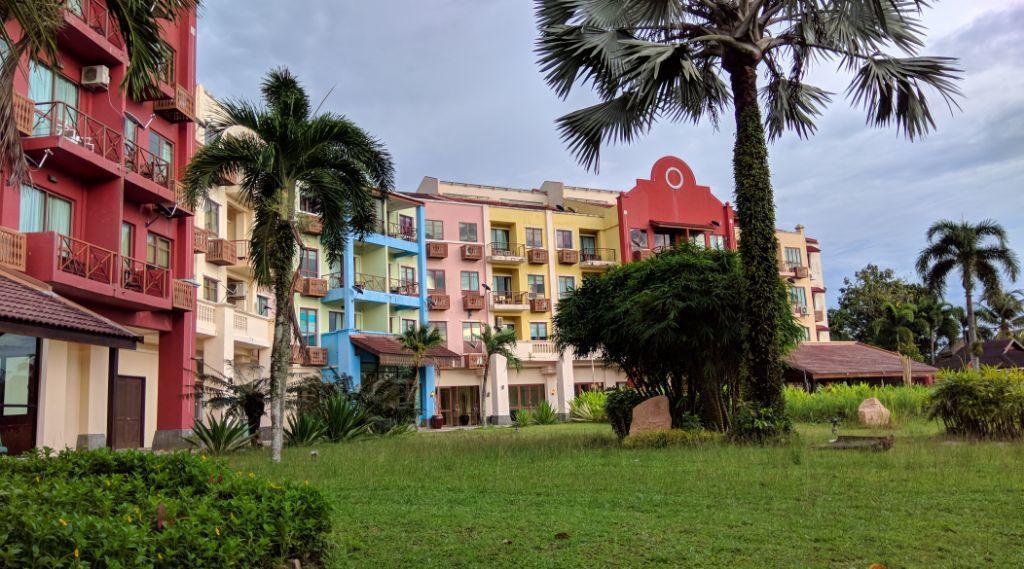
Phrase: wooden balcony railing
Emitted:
{"points": [[146, 164], [24, 113], [537, 256], [221, 252], [12, 249], [87, 260], [140, 276], [183, 296], [57, 118], [568, 256], [472, 252], [310, 223], [472, 300], [334, 280], [439, 301], [200, 240], [180, 108], [404, 287], [96, 15], [315, 287], [437, 250], [540, 304], [509, 297], [309, 356], [180, 198], [475, 361]]}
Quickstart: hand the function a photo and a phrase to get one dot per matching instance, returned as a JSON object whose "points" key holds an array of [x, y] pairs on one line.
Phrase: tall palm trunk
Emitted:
{"points": [[972, 325], [280, 358], [755, 210]]}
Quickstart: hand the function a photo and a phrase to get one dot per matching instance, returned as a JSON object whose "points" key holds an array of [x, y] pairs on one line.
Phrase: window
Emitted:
{"points": [[697, 239], [534, 237], [807, 333], [307, 203], [585, 387], [718, 242], [539, 331], [335, 320], [158, 250], [435, 279], [662, 241], [127, 239], [309, 263], [45, 86], [563, 239], [408, 324], [472, 331], [565, 284], [588, 244], [467, 232], [793, 257], [43, 211], [798, 297], [165, 66], [638, 238], [19, 379], [524, 397], [502, 283], [308, 325], [161, 147], [131, 132], [262, 305], [442, 329], [535, 284], [212, 218], [210, 289], [470, 281], [500, 238], [434, 229]]}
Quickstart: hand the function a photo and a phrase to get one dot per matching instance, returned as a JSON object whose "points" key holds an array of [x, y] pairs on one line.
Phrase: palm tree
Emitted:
{"points": [[277, 150], [1003, 311], [670, 60], [243, 394], [419, 340], [496, 343], [940, 322], [39, 23], [966, 247], [897, 328]]}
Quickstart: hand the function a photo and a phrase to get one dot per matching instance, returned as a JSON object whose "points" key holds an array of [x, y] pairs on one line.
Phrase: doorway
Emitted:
{"points": [[460, 406], [19, 391], [127, 412]]}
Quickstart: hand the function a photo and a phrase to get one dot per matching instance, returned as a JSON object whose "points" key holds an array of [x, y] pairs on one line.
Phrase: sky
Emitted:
{"points": [[453, 89]]}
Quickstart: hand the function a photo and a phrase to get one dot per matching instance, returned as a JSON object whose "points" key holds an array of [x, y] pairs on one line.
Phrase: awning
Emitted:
{"points": [[681, 225], [30, 308], [817, 289], [813, 248], [390, 352]]}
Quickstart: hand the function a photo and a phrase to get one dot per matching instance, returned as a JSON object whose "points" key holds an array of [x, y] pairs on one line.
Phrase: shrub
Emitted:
{"points": [[343, 418], [760, 425], [618, 406], [588, 407], [670, 438], [985, 403], [220, 436], [522, 418], [841, 400], [544, 414], [304, 429], [134, 509]]}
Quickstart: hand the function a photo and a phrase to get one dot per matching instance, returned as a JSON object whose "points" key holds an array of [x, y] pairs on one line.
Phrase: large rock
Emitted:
{"points": [[872, 413], [651, 415]]}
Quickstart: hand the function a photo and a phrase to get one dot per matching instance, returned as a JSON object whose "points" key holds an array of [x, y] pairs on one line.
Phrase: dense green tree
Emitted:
{"points": [[1004, 313], [687, 60], [862, 301], [276, 151], [898, 329], [941, 326], [978, 252], [419, 340], [496, 342]]}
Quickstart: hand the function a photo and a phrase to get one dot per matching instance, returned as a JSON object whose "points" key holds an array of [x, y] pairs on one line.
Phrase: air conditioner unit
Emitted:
{"points": [[236, 291], [96, 77], [499, 322]]}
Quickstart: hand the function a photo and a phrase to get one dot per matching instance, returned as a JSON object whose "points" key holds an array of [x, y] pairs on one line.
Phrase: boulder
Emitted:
{"points": [[651, 415], [872, 413]]}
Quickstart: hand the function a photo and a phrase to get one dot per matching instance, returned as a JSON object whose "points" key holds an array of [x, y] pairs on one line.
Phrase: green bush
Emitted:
{"points": [[522, 418], [841, 400], [220, 436], [544, 414], [343, 418], [588, 407], [134, 509], [670, 438], [618, 407], [304, 429], [985, 403], [759, 425]]}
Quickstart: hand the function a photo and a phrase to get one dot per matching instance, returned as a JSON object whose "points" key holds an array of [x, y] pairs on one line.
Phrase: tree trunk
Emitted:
{"points": [[417, 402], [972, 326], [755, 209], [280, 359]]}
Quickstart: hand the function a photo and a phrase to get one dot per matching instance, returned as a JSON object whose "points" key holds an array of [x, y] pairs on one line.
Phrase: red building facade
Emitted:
{"points": [[100, 217]]}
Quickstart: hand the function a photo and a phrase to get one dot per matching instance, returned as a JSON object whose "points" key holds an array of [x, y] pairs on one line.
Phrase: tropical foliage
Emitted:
{"points": [[343, 419], [618, 406], [419, 340], [841, 401], [219, 435], [650, 61], [277, 151], [496, 342], [544, 414], [1003, 313], [304, 429], [588, 407], [983, 403]]}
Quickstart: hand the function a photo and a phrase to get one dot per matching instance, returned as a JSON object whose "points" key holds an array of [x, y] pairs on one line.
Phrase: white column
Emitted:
{"points": [[497, 389], [96, 380], [565, 382]]}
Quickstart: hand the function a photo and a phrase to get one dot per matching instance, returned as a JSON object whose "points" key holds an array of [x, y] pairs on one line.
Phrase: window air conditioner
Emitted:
{"points": [[96, 77]]}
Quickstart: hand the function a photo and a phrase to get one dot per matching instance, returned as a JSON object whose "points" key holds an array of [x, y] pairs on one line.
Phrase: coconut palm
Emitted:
{"points": [[687, 60], [978, 252], [276, 150], [419, 340], [1004, 312], [496, 343], [898, 328], [38, 24], [940, 321]]}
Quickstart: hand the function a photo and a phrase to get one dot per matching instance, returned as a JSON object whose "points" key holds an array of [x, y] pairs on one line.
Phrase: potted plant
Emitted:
{"points": [[466, 406]]}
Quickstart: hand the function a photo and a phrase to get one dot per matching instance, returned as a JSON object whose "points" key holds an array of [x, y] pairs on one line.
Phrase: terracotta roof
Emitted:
{"points": [[31, 308], [391, 352], [999, 353], [850, 359]]}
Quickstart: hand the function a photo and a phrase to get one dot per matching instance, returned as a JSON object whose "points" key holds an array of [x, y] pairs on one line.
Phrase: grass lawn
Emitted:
{"points": [[498, 497]]}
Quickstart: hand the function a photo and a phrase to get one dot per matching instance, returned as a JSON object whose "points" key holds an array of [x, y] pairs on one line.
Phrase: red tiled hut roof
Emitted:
{"points": [[998, 353], [391, 352], [842, 360]]}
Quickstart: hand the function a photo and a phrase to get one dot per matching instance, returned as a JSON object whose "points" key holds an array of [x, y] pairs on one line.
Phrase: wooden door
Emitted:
{"points": [[127, 412]]}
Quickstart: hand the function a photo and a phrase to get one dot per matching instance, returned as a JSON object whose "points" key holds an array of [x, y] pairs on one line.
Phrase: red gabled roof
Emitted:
{"points": [[388, 348], [998, 353], [850, 359]]}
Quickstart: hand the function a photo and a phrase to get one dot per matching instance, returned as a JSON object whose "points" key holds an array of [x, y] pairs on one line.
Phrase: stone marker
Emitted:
{"points": [[651, 415], [872, 413]]}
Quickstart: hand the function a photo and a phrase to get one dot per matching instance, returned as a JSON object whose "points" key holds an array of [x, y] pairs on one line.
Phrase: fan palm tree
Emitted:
{"points": [[1003, 311], [977, 251], [276, 151], [496, 343], [419, 340], [897, 328], [687, 60], [35, 36], [940, 322]]}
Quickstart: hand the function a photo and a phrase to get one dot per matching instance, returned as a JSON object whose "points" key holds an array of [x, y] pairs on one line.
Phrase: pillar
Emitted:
{"points": [[497, 390], [565, 384], [175, 383], [428, 385], [97, 376]]}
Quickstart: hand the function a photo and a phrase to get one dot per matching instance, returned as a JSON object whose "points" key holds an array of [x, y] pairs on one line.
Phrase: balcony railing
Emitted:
{"points": [[314, 287], [200, 240], [597, 255], [24, 113], [334, 280], [540, 304], [96, 15], [437, 250], [242, 250], [308, 356], [568, 256], [438, 300], [12, 249], [404, 287], [148, 279], [370, 282], [180, 198], [398, 230], [87, 260], [221, 252], [471, 252], [537, 256], [183, 295], [57, 118], [509, 297], [206, 313], [180, 108], [501, 249], [472, 300], [309, 223], [146, 164]]}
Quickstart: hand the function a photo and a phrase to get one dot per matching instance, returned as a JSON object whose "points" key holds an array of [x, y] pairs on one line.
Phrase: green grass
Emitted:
{"points": [[498, 497]]}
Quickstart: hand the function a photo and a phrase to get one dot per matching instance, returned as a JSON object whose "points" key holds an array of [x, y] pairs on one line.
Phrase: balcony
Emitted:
{"points": [[796, 270], [505, 253], [206, 319], [475, 361], [251, 330], [78, 143], [642, 254], [540, 304], [438, 300], [148, 177], [200, 240], [177, 109], [92, 33], [366, 281], [309, 356], [537, 256], [404, 287], [510, 301], [437, 250], [221, 252], [398, 231], [312, 286], [180, 199], [568, 256], [309, 223], [472, 301], [242, 251], [472, 252], [24, 114], [819, 315], [598, 258], [142, 277], [183, 296], [13, 249], [540, 350]]}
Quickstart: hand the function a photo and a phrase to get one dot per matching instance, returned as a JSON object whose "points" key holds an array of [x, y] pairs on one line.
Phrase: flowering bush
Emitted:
{"points": [[134, 509]]}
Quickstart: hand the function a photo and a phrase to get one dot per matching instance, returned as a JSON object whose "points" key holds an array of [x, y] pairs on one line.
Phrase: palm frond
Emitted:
{"points": [[792, 105]]}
